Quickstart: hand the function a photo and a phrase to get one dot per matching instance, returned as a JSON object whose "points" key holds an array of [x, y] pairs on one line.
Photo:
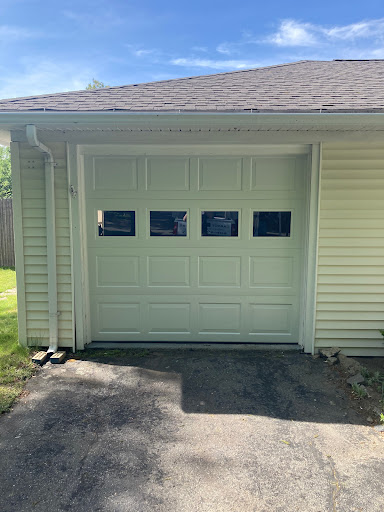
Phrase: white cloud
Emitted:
{"points": [[144, 53], [45, 77], [224, 48], [138, 51], [214, 64], [363, 29], [294, 33], [378, 53]]}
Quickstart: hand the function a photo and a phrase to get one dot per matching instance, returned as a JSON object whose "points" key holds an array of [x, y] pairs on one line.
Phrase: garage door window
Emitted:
{"points": [[219, 223], [271, 224], [116, 223], [168, 223]]}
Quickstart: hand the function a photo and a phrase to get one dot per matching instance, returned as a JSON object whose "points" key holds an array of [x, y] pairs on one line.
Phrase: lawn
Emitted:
{"points": [[15, 361]]}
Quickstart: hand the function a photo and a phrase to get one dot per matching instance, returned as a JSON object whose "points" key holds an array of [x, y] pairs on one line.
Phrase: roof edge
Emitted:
{"points": [[118, 120]]}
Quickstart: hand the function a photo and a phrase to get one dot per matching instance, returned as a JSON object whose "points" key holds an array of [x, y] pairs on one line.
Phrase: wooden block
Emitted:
{"points": [[58, 357], [40, 357]]}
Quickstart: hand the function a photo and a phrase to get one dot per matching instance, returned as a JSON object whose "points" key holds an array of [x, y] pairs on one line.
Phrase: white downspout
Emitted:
{"points": [[51, 234]]}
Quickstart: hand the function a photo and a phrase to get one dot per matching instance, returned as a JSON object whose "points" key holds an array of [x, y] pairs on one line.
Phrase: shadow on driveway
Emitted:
{"points": [[188, 430]]}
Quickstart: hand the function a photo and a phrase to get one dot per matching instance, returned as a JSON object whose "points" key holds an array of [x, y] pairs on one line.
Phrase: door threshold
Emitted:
{"points": [[282, 347]]}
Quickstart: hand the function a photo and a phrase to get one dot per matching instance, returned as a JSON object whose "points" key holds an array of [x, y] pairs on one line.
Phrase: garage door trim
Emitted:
{"points": [[79, 252]]}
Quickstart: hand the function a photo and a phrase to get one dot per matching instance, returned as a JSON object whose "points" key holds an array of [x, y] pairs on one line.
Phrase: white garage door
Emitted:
{"points": [[194, 247]]}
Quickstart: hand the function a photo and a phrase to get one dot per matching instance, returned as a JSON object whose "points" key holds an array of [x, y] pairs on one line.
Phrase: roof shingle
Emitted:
{"points": [[305, 86]]}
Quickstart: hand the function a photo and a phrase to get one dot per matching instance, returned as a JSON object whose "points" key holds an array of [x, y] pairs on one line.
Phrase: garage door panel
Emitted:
{"points": [[191, 319], [141, 234], [128, 273], [166, 281]]}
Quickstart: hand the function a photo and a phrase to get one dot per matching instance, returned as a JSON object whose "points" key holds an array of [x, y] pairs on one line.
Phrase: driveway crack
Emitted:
{"points": [[335, 483]]}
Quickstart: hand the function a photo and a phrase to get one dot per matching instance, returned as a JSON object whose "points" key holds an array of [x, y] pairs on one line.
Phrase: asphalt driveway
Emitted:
{"points": [[194, 430]]}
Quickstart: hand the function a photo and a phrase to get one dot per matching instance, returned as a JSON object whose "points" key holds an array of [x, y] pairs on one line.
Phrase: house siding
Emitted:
{"points": [[350, 277], [350, 272], [35, 246]]}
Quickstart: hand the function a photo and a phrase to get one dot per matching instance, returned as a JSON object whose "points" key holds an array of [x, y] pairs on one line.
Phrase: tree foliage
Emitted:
{"points": [[5, 172], [95, 84]]}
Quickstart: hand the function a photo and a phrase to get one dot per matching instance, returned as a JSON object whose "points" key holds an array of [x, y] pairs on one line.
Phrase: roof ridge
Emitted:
{"points": [[356, 60]]}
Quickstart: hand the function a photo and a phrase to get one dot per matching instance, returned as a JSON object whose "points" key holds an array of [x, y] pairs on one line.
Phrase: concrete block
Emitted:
{"points": [[40, 357], [57, 357]]}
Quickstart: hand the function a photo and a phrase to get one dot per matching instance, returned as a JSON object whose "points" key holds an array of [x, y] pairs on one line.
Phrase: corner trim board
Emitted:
{"points": [[19, 242], [309, 313]]}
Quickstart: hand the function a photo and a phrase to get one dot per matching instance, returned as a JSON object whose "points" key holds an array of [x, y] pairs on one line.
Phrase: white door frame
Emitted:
{"points": [[80, 288]]}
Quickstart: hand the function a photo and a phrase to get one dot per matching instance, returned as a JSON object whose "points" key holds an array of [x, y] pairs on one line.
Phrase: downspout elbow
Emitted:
{"points": [[31, 134]]}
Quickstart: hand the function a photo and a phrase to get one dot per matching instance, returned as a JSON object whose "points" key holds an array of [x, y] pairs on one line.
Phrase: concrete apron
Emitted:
{"points": [[189, 430]]}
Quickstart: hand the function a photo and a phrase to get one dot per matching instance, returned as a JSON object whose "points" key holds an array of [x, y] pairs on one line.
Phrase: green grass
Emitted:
{"points": [[7, 279], [15, 361]]}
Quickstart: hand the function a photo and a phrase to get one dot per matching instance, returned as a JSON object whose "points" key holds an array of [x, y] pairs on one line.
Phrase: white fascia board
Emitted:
{"points": [[253, 121]]}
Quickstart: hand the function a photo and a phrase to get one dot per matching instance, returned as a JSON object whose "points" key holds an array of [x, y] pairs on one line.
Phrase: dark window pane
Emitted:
{"points": [[168, 223], [113, 223], [271, 223], [219, 223]]}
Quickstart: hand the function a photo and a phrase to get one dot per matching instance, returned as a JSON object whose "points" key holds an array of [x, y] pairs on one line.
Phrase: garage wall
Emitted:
{"points": [[350, 293], [35, 245], [350, 278]]}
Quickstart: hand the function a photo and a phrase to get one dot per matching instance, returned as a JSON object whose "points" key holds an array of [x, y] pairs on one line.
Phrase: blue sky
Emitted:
{"points": [[48, 46]]}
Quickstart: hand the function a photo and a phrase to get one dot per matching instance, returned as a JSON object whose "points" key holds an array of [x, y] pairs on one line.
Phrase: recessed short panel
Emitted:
{"points": [[220, 173], [219, 318], [271, 272], [167, 174], [270, 318], [117, 271], [168, 271], [219, 271], [115, 173], [274, 174], [172, 318], [119, 318]]}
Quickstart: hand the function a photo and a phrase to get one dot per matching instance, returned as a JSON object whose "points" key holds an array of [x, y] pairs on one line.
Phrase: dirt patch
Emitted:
{"points": [[367, 398], [6, 293]]}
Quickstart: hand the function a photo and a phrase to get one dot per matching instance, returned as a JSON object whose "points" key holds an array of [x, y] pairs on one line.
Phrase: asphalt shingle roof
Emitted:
{"points": [[305, 86]]}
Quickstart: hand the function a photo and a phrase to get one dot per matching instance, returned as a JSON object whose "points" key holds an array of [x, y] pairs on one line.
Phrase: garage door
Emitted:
{"points": [[190, 246]]}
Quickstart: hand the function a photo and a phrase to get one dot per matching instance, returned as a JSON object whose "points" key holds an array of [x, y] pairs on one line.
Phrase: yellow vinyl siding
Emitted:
{"points": [[35, 246], [350, 277]]}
